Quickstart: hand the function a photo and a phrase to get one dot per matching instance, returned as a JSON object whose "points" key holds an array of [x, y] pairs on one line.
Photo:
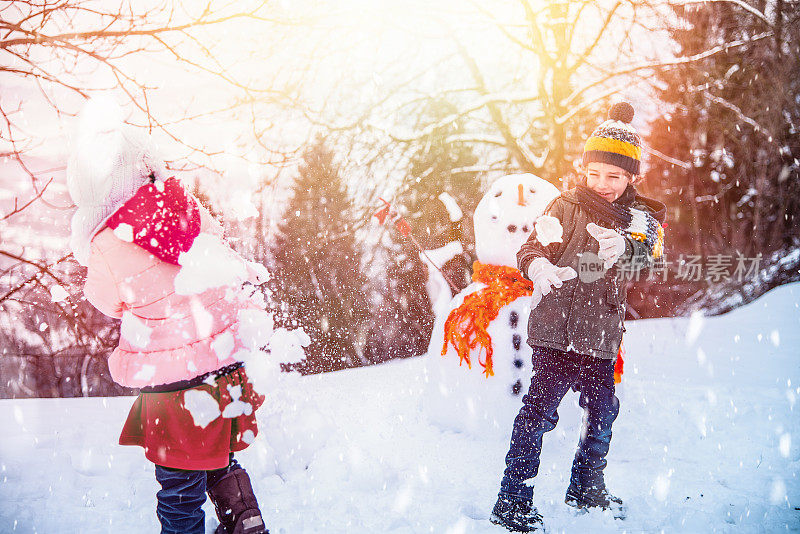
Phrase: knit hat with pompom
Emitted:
{"points": [[109, 162], [616, 141]]}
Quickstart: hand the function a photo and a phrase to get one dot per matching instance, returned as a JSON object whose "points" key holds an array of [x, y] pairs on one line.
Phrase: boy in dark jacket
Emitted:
{"points": [[576, 328]]}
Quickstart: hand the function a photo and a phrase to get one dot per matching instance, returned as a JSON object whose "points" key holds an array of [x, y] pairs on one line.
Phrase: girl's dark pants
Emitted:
{"points": [[182, 495], [554, 373]]}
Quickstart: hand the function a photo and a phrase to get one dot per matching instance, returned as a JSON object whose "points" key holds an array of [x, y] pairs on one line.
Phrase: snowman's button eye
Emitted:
{"points": [[525, 229], [494, 217], [512, 228], [498, 194], [532, 190]]}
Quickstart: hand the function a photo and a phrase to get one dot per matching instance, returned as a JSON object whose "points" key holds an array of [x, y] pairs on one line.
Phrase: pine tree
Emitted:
{"points": [[438, 166], [734, 118], [317, 280]]}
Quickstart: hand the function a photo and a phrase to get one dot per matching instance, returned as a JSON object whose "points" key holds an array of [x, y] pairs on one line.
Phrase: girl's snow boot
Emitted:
{"points": [[236, 505], [516, 515]]}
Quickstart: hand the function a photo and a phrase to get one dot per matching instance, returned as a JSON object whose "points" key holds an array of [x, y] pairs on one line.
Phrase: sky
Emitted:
{"points": [[244, 96]]}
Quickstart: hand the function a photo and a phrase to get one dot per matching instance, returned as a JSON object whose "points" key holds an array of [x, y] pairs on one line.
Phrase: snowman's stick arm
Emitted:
{"points": [[402, 225], [422, 251]]}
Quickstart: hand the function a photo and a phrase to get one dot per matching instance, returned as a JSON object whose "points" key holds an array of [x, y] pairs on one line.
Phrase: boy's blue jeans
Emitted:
{"points": [[554, 373], [182, 495]]}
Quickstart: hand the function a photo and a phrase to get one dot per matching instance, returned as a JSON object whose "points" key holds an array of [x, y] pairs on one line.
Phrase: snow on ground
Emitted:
{"points": [[707, 441]]}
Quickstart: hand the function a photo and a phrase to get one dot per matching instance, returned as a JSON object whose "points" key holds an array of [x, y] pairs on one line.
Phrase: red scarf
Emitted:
{"points": [[466, 326], [164, 217]]}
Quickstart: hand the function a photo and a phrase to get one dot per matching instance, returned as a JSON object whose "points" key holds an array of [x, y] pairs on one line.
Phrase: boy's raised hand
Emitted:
{"points": [[612, 244]]}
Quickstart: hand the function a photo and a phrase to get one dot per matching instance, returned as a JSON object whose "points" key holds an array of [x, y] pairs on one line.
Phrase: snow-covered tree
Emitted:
{"points": [[441, 171], [438, 195], [315, 258], [734, 121]]}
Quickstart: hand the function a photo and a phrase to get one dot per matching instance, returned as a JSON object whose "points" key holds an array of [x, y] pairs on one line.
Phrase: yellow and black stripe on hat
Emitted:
{"points": [[616, 141]]}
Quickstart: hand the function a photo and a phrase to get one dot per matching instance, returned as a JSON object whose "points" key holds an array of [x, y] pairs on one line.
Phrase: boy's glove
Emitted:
{"points": [[612, 244], [546, 276]]}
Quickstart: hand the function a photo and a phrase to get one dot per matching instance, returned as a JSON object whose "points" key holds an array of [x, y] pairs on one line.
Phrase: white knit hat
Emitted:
{"points": [[110, 161]]}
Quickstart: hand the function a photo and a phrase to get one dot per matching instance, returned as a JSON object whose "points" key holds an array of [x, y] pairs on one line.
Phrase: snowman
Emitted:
{"points": [[474, 389]]}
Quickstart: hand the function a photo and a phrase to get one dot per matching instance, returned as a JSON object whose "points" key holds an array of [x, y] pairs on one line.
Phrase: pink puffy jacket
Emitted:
{"points": [[189, 335]]}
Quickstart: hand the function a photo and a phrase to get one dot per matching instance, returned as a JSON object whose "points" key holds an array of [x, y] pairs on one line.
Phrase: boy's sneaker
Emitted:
{"points": [[516, 515], [585, 498]]}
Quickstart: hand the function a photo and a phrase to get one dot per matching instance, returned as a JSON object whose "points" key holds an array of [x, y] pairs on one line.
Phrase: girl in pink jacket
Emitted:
{"points": [[155, 259]]}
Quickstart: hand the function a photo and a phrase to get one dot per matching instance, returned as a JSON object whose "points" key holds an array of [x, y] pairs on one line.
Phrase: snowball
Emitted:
{"points": [[201, 405], [248, 436], [58, 293], [236, 406], [255, 328], [548, 230], [124, 232], [209, 263], [287, 345], [146, 372], [451, 205], [223, 345], [134, 331]]}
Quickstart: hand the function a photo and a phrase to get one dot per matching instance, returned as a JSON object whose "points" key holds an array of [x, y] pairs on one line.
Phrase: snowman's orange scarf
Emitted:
{"points": [[466, 325]]}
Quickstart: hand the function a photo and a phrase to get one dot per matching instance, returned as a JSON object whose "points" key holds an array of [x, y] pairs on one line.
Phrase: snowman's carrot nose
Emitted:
{"points": [[521, 200]]}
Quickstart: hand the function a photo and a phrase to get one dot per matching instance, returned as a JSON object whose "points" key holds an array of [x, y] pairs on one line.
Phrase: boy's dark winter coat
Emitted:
{"points": [[585, 317]]}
